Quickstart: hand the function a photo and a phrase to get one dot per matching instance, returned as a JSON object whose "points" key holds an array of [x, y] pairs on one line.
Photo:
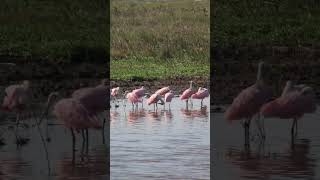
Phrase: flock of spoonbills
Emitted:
{"points": [[256, 101], [79, 112], [161, 96]]}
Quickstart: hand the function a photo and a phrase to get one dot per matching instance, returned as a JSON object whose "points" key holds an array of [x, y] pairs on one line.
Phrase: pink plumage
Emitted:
{"points": [[114, 91], [201, 94], [94, 99], [292, 104], [187, 94], [17, 96], [163, 91], [168, 96], [154, 98], [139, 92], [74, 115], [133, 98], [248, 102]]}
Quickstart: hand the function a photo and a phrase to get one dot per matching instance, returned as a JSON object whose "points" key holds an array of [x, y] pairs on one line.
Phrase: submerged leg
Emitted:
{"points": [[73, 145], [87, 145], [293, 127], [16, 129], [103, 125]]}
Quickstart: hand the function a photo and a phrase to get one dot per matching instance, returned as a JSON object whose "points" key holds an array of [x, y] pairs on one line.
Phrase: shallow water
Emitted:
{"points": [[162, 144], [276, 158], [29, 160]]}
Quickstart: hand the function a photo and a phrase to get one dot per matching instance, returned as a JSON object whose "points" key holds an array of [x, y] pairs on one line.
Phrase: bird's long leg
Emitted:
{"points": [[87, 145], [103, 125], [44, 146], [16, 129], [169, 105], [296, 131], [142, 102], [201, 103], [47, 130], [187, 104], [73, 145], [293, 127], [83, 137]]}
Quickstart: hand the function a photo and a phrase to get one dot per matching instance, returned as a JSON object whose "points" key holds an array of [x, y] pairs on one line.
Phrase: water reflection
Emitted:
{"points": [[90, 166], [14, 167], [195, 113], [160, 144], [294, 162]]}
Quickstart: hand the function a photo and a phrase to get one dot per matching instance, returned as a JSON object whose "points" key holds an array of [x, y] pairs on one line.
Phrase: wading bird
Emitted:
{"points": [[114, 94], [168, 97], [163, 91], [248, 103], [293, 103], [75, 116], [201, 94], [154, 99], [186, 95], [17, 99], [133, 99], [95, 100]]}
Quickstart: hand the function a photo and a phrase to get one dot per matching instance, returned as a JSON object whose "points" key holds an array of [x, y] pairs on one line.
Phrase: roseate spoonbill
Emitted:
{"points": [[114, 94], [154, 98], [163, 91], [17, 99], [186, 95], [95, 100], [168, 97], [75, 116], [201, 94], [133, 99], [294, 102], [139, 93], [248, 103]]}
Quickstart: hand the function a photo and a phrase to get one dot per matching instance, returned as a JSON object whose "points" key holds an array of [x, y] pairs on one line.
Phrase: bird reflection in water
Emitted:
{"points": [[195, 113], [294, 162], [135, 115], [90, 167], [13, 168]]}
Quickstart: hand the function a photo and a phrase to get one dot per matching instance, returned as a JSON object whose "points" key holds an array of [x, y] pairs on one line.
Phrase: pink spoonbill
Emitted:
{"points": [[294, 102], [154, 99], [114, 94], [163, 91], [75, 116], [201, 94], [186, 95], [248, 103], [168, 97]]}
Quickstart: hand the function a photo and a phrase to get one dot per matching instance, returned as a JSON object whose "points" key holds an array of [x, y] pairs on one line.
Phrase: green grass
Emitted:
{"points": [[145, 35], [153, 69], [61, 30], [266, 22]]}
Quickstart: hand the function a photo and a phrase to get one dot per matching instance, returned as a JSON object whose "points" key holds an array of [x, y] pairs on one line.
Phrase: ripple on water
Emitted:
{"points": [[162, 144]]}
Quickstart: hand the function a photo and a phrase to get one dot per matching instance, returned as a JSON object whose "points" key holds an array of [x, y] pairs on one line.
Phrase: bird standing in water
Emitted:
{"points": [[293, 103], [248, 103], [201, 94], [186, 95]]}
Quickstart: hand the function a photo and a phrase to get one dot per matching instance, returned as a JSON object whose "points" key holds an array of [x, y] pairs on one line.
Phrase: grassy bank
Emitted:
{"points": [[269, 22], [62, 30], [153, 69], [157, 40]]}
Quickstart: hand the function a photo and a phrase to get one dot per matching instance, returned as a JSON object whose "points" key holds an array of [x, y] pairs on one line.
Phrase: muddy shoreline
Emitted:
{"points": [[177, 84]]}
